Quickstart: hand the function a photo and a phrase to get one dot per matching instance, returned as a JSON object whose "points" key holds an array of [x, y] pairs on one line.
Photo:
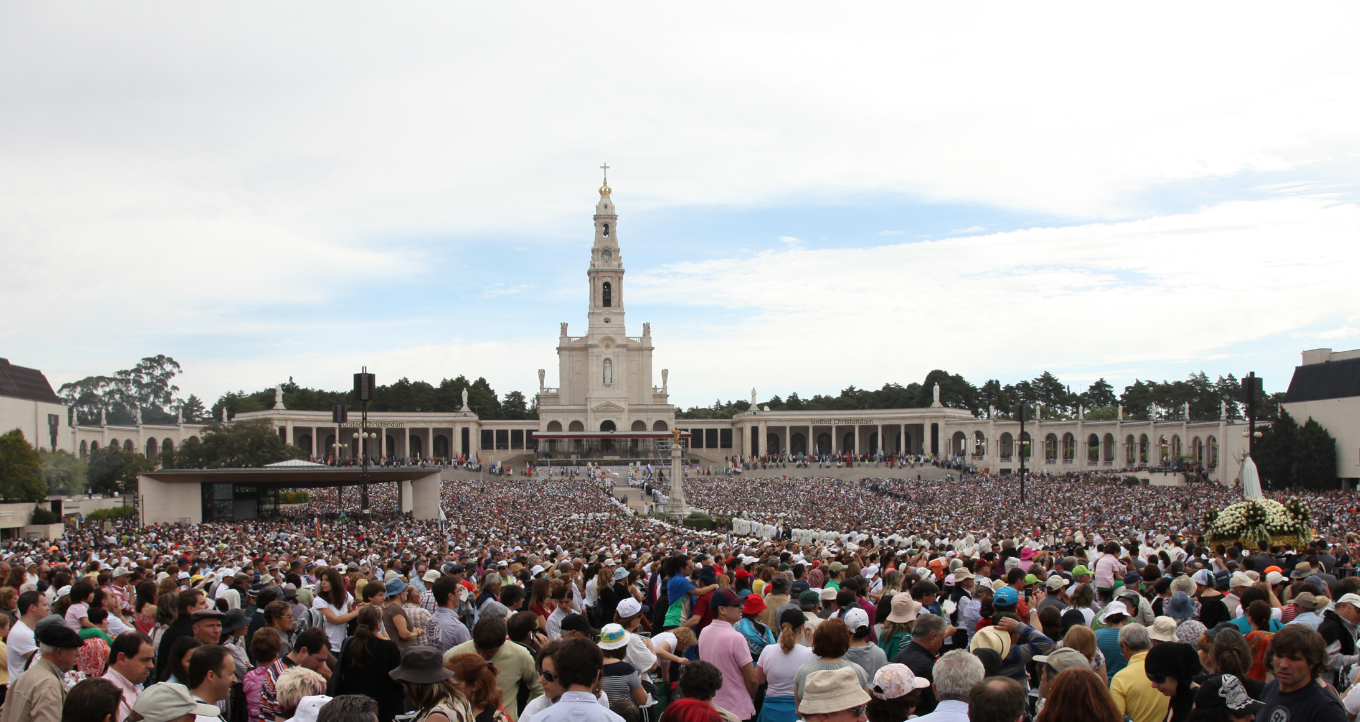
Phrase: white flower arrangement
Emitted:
{"points": [[1255, 519]]}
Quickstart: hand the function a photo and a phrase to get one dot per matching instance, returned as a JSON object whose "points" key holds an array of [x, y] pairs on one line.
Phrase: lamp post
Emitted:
{"points": [[1021, 412], [363, 393], [1252, 394]]}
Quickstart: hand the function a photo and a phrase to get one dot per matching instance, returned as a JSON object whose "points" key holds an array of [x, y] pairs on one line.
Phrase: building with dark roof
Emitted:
{"points": [[1326, 387], [28, 403]]}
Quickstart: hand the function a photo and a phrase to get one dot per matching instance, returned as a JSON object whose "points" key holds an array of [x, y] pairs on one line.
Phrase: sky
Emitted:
{"points": [[810, 196]]}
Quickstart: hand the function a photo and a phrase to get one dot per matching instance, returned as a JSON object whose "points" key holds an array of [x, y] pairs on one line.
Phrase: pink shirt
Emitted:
{"points": [[725, 648], [1107, 568]]}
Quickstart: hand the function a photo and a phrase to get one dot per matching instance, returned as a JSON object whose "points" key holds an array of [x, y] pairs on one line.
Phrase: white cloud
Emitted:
{"points": [[1094, 298], [791, 240], [205, 171]]}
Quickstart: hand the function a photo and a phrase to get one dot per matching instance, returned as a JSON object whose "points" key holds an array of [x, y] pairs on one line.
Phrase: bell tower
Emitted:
{"points": [[606, 267]]}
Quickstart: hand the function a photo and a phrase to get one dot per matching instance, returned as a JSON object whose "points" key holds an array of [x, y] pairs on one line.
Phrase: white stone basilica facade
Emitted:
{"points": [[605, 377]]}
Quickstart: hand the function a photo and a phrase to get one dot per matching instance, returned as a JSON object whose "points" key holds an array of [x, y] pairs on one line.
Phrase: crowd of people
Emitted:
{"points": [[542, 598]]}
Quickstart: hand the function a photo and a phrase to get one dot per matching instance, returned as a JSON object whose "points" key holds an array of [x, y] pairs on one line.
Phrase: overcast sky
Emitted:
{"points": [[810, 196]]}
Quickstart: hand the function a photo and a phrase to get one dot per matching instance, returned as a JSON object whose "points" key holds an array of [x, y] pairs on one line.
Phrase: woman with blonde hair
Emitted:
{"points": [[476, 679], [1082, 639], [293, 686], [429, 685]]}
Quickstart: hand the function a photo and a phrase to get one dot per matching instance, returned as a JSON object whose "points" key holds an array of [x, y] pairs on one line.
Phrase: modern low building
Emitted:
{"points": [[226, 495], [1326, 387]]}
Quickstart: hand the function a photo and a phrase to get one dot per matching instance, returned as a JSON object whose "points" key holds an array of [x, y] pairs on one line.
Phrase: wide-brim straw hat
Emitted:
{"points": [[832, 690], [904, 609], [421, 665]]}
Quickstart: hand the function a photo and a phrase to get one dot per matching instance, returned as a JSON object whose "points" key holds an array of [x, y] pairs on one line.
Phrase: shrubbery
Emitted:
{"points": [[117, 512]]}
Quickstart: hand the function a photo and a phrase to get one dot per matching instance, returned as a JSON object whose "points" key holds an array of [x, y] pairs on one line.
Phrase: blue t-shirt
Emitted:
{"points": [[1107, 641]]}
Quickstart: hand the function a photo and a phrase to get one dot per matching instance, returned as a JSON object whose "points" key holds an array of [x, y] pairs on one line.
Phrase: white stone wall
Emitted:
{"points": [[30, 417]]}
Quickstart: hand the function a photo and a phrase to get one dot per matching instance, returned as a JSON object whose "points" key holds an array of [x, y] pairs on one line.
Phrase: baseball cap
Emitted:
{"points": [[895, 680], [169, 702], [724, 598], [1007, 596], [856, 618], [1273, 578], [578, 623], [809, 598], [1350, 598], [1080, 571], [1239, 579], [1063, 658], [1055, 583], [828, 594], [629, 607]]}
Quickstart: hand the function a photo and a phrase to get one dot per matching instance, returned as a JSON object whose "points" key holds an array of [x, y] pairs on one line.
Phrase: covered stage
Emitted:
{"points": [[193, 496], [609, 447]]}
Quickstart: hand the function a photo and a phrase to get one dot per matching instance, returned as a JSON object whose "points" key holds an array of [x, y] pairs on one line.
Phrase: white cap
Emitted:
{"points": [[856, 618], [628, 607]]}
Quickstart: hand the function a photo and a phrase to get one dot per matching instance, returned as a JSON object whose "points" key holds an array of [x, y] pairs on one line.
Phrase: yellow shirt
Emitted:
{"points": [[757, 587], [1134, 696], [4, 670]]}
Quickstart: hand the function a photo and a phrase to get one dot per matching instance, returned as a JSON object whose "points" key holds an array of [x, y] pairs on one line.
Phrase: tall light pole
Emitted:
{"points": [[363, 393], [1252, 394], [1021, 413]]}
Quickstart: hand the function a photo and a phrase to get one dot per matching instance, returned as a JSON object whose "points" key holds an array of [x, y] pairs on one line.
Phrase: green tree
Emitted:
{"points": [[1099, 395], [513, 406], [238, 445], [21, 476], [1275, 452], [192, 410], [113, 469], [63, 472], [148, 386], [1314, 457]]}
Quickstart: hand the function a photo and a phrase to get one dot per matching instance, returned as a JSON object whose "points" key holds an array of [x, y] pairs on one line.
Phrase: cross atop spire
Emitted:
{"points": [[605, 168]]}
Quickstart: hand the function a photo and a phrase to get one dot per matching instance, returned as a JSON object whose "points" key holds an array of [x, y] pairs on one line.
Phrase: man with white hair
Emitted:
{"points": [[955, 675], [39, 693], [1133, 696]]}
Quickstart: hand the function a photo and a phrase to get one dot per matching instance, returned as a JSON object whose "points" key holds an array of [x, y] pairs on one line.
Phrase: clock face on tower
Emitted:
{"points": [[606, 254]]}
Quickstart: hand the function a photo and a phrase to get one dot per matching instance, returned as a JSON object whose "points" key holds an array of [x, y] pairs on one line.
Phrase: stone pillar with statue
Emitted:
{"points": [[676, 507]]}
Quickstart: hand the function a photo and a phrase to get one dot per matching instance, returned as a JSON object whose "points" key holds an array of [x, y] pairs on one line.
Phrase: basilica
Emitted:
{"points": [[607, 407]]}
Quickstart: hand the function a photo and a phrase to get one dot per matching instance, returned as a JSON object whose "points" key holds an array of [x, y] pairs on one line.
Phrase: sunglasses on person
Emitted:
{"points": [[547, 676]]}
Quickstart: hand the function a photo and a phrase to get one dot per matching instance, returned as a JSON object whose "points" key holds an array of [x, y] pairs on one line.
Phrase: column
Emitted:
{"points": [[880, 438], [835, 442], [764, 439]]}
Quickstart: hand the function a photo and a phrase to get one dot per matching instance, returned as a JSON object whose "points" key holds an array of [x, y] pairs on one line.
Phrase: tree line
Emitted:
{"points": [[1142, 400], [148, 387]]}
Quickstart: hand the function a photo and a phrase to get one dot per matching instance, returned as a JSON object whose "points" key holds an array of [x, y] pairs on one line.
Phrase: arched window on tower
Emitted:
{"points": [[606, 230], [607, 291]]}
